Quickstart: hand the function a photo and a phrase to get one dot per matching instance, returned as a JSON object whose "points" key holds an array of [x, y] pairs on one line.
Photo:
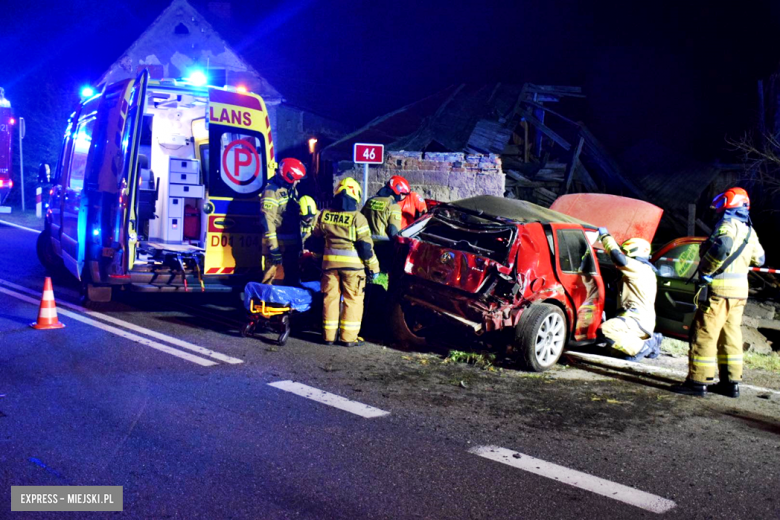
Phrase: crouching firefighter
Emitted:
{"points": [[630, 333], [348, 252], [716, 334], [280, 222]]}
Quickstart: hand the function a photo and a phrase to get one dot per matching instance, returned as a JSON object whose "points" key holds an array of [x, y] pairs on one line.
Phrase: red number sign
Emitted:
{"points": [[369, 153]]}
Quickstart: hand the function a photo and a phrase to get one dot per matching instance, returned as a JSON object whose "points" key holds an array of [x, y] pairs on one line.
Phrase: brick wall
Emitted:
{"points": [[440, 176]]}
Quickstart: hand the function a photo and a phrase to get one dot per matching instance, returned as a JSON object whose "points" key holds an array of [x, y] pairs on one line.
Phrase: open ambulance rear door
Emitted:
{"points": [[240, 159]]}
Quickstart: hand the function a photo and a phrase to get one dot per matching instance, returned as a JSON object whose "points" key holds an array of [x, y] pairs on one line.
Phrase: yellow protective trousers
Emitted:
{"points": [[343, 317], [628, 336], [716, 340]]}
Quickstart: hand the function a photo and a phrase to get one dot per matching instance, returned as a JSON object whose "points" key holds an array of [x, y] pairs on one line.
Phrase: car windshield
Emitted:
{"points": [[465, 231]]}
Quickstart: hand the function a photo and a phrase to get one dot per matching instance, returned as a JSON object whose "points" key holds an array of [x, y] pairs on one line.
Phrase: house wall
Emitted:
{"points": [[441, 176]]}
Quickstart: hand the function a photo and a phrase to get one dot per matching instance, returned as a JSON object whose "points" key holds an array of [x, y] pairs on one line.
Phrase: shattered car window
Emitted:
{"points": [[679, 262], [470, 233]]}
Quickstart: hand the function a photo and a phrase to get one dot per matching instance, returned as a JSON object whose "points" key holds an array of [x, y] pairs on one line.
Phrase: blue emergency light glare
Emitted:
{"points": [[197, 78], [87, 92], [96, 232]]}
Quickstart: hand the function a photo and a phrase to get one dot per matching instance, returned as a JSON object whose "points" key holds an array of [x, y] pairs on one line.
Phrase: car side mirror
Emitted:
{"points": [[44, 173]]}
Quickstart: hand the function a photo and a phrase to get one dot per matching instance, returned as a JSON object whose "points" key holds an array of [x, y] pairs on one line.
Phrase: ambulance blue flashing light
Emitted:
{"points": [[87, 92], [197, 78]]}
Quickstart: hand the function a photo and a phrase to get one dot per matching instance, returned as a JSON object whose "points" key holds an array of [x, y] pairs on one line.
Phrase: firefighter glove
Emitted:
{"points": [[276, 256]]}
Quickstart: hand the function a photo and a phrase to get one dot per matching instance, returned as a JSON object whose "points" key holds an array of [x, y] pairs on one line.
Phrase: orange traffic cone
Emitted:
{"points": [[47, 313]]}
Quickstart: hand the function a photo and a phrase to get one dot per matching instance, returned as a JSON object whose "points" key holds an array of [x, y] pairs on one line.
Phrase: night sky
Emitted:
{"points": [[685, 76]]}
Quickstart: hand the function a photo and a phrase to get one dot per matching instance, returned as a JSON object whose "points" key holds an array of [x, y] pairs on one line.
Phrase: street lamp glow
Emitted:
{"points": [[197, 78], [312, 144], [87, 92]]}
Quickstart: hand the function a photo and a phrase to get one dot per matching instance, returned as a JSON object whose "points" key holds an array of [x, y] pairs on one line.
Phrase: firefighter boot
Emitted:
{"points": [[726, 388], [655, 345], [690, 387]]}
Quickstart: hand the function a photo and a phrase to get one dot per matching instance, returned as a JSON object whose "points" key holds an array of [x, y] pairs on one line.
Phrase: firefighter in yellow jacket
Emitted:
{"points": [[348, 253], [716, 336], [383, 213], [630, 333], [280, 222]]}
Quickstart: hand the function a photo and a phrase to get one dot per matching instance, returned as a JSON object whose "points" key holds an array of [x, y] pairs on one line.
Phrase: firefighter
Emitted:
{"points": [[413, 206], [308, 212], [716, 336], [383, 210], [348, 252], [280, 222], [383, 213], [630, 333]]}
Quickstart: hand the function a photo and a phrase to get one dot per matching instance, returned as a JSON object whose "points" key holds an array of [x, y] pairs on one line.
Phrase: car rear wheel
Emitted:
{"points": [[402, 325], [540, 336]]}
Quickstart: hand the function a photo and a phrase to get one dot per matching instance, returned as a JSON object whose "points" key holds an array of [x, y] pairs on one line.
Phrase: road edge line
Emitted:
{"points": [[137, 328], [36, 231], [119, 332]]}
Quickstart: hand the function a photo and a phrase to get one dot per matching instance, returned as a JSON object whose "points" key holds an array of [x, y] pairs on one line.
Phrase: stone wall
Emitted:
{"points": [[441, 176]]}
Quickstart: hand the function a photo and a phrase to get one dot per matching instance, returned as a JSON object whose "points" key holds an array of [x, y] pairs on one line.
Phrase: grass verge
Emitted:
{"points": [[752, 360]]}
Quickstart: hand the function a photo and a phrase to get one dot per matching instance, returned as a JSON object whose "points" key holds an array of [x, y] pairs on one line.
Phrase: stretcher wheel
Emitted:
{"points": [[285, 331], [247, 330]]}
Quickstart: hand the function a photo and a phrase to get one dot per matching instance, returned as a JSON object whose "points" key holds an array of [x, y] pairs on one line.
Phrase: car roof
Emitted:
{"points": [[518, 210]]}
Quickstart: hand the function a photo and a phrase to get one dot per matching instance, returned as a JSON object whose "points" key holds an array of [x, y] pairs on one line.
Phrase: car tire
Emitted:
{"points": [[540, 336], [46, 255], [402, 336]]}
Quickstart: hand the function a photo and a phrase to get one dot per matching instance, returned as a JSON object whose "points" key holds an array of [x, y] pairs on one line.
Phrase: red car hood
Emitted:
{"points": [[624, 217]]}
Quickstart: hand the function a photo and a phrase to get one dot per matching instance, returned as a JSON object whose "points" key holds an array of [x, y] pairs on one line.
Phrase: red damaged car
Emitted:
{"points": [[510, 273]]}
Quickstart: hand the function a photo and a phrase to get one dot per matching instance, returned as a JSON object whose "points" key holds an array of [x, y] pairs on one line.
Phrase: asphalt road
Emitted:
{"points": [[163, 397]]}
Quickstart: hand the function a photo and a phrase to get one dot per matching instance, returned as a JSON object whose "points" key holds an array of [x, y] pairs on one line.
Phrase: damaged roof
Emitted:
{"points": [[457, 119], [519, 210]]}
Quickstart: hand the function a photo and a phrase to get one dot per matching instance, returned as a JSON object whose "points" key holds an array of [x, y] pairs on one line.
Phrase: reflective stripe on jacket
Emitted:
{"points": [[727, 238], [347, 239], [280, 217], [638, 288], [382, 212]]}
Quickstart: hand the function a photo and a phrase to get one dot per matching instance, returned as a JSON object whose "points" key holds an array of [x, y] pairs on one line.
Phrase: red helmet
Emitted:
{"points": [[730, 199], [399, 185], [292, 170]]}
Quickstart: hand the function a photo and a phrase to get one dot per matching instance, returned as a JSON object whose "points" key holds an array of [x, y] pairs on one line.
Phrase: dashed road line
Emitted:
{"points": [[36, 231], [137, 328], [336, 401], [600, 486], [119, 332]]}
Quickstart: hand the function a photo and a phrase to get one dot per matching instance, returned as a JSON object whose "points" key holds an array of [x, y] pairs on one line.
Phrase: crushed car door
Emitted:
{"points": [[240, 154], [674, 307], [577, 271]]}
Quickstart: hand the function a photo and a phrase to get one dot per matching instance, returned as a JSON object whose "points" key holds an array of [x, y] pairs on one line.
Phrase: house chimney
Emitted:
{"points": [[221, 10]]}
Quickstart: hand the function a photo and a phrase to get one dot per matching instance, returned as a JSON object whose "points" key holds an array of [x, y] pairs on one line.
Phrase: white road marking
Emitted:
{"points": [[336, 401], [647, 369], [143, 330], [119, 332], [36, 231], [613, 490]]}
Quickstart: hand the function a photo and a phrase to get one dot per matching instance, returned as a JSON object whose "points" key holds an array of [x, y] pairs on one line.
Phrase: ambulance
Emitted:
{"points": [[157, 189]]}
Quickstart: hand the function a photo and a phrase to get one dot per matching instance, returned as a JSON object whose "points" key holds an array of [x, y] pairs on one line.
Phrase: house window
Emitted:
{"points": [[181, 29]]}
